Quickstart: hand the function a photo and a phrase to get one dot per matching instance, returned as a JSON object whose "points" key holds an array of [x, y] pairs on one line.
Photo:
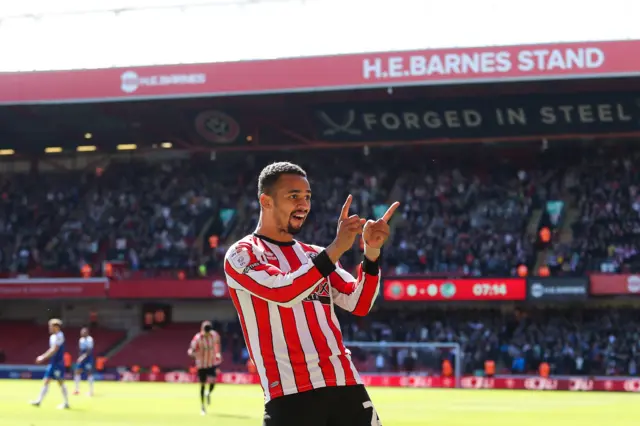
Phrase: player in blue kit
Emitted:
{"points": [[55, 357], [86, 360]]}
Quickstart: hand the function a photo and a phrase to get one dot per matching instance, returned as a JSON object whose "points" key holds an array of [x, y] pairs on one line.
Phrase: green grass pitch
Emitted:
{"points": [[164, 404]]}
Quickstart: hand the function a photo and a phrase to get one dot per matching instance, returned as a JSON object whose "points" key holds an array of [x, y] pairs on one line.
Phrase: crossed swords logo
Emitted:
{"points": [[333, 127]]}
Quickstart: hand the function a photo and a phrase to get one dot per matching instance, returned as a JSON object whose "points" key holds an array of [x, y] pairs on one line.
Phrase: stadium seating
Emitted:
{"points": [[591, 341], [164, 347], [603, 229], [459, 215], [23, 341]]}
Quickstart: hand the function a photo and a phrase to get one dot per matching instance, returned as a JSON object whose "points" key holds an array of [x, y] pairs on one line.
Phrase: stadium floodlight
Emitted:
{"points": [[428, 354]]}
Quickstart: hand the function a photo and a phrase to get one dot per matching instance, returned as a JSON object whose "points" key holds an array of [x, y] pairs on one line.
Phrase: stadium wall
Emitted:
{"points": [[508, 382], [29, 310], [220, 310], [111, 313]]}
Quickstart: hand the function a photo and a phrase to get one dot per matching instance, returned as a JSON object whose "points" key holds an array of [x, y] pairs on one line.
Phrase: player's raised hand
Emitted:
{"points": [[348, 228], [376, 232]]}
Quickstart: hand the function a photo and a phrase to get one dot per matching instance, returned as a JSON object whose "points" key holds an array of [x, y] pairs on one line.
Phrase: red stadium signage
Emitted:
{"points": [[572, 384], [440, 66], [162, 288], [614, 284], [455, 289], [53, 288], [80, 288]]}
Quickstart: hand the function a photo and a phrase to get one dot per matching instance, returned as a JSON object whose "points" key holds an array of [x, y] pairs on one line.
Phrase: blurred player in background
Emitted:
{"points": [[205, 349], [85, 362], [285, 292], [55, 369]]}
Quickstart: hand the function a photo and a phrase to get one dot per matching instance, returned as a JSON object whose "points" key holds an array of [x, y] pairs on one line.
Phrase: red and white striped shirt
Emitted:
{"points": [[285, 295], [206, 349]]}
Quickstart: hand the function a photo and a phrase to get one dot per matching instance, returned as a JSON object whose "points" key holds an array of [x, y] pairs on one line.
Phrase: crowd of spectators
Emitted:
{"points": [[32, 209], [454, 222], [460, 215], [607, 232], [605, 193], [588, 342], [146, 215], [584, 342], [456, 217]]}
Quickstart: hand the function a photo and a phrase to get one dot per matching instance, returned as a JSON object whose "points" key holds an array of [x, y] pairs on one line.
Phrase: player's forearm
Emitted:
{"points": [[356, 295], [372, 254], [48, 354], [370, 289]]}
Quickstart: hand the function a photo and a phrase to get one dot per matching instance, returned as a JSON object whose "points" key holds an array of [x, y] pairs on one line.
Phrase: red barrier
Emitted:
{"points": [[163, 288], [54, 288], [614, 284], [574, 384]]}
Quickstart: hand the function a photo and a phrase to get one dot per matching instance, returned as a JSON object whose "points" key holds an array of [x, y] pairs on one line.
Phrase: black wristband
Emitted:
{"points": [[324, 264], [369, 267]]}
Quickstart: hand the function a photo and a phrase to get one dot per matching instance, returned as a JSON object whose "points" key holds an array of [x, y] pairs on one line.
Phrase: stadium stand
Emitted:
{"points": [[163, 347], [603, 222], [23, 341], [156, 217], [459, 217], [584, 342]]}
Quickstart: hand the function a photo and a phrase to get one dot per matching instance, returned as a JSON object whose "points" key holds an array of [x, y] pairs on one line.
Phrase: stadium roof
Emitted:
{"points": [[75, 34]]}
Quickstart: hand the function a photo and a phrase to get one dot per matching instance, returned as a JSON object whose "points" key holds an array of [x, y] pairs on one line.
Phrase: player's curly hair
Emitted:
{"points": [[271, 173]]}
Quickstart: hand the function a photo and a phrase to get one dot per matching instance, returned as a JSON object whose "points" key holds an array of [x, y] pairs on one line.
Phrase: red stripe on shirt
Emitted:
{"points": [[320, 340], [296, 354], [346, 363], [265, 337], [321, 344], [340, 284], [294, 348], [370, 285]]}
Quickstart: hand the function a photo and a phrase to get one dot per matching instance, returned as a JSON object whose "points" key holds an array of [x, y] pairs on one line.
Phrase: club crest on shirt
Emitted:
{"points": [[322, 294], [240, 258]]}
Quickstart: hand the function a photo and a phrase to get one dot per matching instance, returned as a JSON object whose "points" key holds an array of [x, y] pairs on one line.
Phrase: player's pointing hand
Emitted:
{"points": [[348, 228], [376, 232]]}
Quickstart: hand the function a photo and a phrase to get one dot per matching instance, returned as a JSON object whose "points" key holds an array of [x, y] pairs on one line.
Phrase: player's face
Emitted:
{"points": [[84, 332], [291, 203], [53, 329]]}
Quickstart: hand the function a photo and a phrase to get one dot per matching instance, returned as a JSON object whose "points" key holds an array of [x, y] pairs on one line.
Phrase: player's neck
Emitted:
{"points": [[272, 232]]}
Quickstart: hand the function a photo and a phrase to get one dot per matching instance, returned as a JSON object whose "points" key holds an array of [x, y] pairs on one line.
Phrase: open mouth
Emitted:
{"points": [[299, 216]]}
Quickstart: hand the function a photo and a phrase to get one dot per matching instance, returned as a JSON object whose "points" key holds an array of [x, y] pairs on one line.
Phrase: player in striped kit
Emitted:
{"points": [[55, 369], [205, 349], [85, 362], [285, 292]]}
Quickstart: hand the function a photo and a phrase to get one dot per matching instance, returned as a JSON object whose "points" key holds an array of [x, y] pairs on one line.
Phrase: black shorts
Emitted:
{"points": [[330, 406], [204, 373]]}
